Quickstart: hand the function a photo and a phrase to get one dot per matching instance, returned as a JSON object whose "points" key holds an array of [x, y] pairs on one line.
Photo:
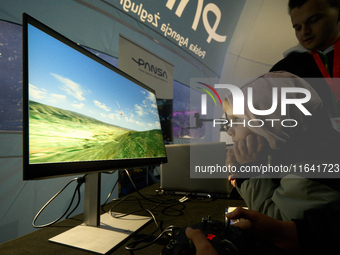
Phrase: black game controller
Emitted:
{"points": [[226, 240]]}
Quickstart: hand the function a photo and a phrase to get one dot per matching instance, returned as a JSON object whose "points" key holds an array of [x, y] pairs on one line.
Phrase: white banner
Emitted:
{"points": [[146, 67]]}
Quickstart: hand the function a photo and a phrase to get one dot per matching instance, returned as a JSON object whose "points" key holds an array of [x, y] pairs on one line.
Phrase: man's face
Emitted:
{"points": [[316, 24]]}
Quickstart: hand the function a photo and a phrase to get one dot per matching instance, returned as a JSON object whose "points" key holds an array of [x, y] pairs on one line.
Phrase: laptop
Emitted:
{"points": [[193, 169]]}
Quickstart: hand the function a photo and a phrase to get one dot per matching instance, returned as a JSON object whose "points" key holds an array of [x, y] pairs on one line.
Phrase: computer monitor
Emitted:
{"points": [[82, 115]]}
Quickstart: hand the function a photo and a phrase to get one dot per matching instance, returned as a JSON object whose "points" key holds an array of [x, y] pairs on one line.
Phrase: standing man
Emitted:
{"points": [[316, 25]]}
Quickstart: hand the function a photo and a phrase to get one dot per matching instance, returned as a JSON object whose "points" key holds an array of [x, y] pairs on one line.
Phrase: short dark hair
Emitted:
{"points": [[298, 3]]}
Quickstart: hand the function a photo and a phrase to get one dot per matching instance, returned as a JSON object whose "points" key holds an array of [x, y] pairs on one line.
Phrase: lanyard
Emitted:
{"points": [[334, 83]]}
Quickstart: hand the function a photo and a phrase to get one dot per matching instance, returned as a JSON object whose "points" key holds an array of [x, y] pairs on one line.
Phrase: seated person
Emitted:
{"points": [[283, 195], [298, 214]]}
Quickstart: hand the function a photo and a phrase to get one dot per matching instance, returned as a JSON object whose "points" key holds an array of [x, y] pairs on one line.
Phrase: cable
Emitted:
{"points": [[159, 202], [124, 199], [80, 181], [168, 229], [116, 215], [114, 186], [133, 184], [169, 202]]}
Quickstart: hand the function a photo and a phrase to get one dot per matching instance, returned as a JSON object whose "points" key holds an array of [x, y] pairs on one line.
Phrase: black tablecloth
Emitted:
{"points": [[179, 214]]}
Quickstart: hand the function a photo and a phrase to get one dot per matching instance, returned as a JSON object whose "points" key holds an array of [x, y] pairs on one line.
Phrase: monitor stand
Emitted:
{"points": [[99, 233]]}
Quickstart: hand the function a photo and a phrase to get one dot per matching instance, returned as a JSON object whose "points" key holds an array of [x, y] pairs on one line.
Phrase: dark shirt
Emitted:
{"points": [[321, 132], [319, 231], [304, 66]]}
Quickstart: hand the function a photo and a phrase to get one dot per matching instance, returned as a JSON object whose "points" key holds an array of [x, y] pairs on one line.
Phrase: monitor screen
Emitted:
{"points": [[81, 114]]}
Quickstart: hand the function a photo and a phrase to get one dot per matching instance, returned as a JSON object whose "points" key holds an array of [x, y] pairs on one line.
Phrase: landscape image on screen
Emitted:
{"points": [[80, 110]]}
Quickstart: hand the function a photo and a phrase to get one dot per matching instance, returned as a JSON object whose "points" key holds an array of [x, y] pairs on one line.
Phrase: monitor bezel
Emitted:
{"points": [[39, 171]]}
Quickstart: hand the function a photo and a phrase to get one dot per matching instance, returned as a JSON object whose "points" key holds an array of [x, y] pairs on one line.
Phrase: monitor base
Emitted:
{"points": [[103, 238]]}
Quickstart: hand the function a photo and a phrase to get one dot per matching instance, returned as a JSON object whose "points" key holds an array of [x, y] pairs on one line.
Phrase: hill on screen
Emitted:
{"points": [[58, 135]]}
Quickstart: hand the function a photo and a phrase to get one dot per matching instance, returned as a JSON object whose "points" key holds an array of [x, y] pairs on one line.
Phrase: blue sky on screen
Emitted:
{"points": [[62, 77]]}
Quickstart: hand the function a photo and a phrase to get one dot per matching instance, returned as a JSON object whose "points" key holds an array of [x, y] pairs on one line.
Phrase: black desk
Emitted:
{"points": [[181, 215]]}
